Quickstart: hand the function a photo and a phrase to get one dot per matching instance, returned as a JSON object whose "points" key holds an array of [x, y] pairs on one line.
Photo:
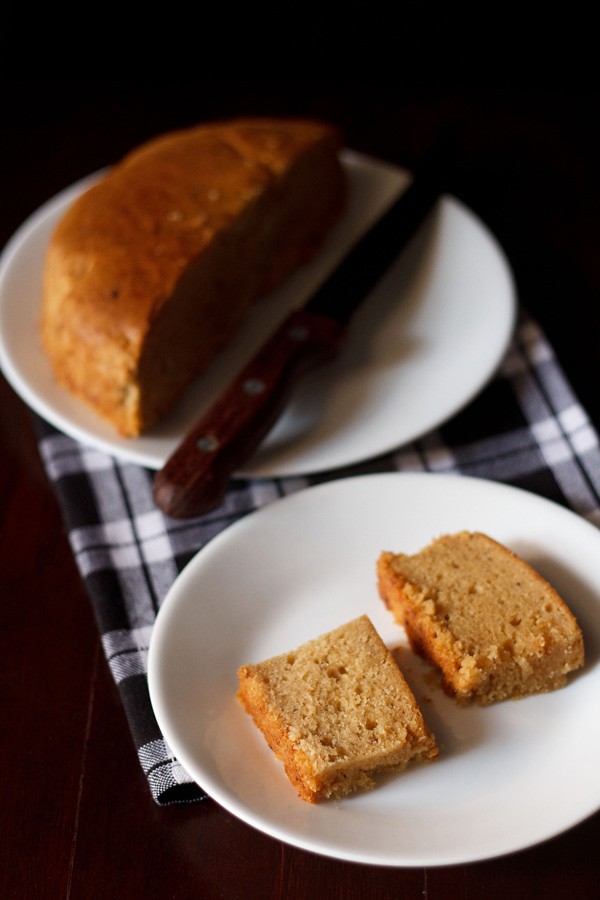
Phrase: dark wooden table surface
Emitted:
{"points": [[76, 816]]}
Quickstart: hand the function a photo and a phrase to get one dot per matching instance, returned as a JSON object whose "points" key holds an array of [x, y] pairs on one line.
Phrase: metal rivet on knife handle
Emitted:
{"points": [[207, 444], [254, 386]]}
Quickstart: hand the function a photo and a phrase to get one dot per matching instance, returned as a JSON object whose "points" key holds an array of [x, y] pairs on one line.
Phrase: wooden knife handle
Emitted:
{"points": [[194, 479]]}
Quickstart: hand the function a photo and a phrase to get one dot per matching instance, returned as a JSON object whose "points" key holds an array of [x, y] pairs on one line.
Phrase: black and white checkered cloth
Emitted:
{"points": [[526, 429]]}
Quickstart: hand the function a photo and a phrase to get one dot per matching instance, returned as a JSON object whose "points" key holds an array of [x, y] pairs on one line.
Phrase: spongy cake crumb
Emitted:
{"points": [[492, 626], [336, 710]]}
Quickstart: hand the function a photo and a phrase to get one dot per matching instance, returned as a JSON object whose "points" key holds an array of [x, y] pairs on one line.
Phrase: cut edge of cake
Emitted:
{"points": [[336, 711], [488, 622]]}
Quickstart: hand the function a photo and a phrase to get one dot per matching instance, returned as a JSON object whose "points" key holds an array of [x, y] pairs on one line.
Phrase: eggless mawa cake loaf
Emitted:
{"points": [[154, 268]]}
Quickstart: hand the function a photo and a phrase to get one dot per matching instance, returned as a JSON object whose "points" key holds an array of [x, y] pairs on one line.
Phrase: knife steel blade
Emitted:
{"points": [[194, 479]]}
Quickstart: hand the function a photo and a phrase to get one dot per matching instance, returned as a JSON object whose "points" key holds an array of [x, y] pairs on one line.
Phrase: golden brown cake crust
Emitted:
{"points": [[335, 711], [154, 268], [490, 623]]}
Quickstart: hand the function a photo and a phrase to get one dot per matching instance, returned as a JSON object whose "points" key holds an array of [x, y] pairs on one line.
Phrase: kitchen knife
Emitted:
{"points": [[194, 479]]}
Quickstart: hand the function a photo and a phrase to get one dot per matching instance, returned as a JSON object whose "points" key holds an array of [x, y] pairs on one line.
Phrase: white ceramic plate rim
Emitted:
{"points": [[456, 315], [508, 776]]}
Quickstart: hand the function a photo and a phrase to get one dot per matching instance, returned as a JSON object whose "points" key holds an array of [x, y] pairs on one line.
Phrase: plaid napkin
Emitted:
{"points": [[526, 428]]}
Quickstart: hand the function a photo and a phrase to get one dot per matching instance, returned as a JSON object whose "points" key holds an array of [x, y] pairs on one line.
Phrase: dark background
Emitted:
{"points": [[526, 161]]}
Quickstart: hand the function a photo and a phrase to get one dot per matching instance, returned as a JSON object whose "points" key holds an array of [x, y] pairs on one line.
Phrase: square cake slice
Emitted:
{"points": [[336, 710], [490, 623]]}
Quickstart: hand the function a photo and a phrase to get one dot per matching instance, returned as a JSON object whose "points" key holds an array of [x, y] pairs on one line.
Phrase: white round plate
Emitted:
{"points": [[507, 776], [430, 336]]}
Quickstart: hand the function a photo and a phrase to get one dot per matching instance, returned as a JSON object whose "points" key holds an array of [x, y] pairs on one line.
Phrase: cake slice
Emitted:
{"points": [[335, 711], [492, 626]]}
